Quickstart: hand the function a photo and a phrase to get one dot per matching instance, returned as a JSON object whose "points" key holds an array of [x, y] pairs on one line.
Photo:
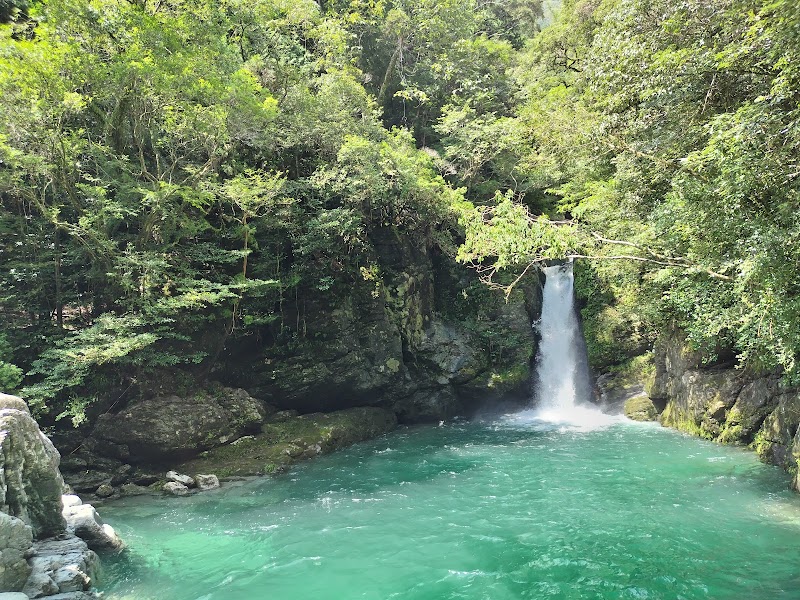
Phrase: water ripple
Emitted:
{"points": [[495, 511]]}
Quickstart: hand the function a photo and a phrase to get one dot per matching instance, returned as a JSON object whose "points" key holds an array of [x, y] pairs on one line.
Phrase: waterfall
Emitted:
{"points": [[563, 386], [562, 372]]}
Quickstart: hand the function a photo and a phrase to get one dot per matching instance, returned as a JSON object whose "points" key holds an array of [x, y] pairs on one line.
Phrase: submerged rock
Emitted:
{"points": [[177, 426]]}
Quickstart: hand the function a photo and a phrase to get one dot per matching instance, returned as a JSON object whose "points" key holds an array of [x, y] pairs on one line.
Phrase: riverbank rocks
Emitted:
{"points": [[776, 441], [131, 489], [184, 480], [30, 483], [61, 566], [728, 405], [715, 401], [177, 426], [182, 485], [206, 482], [283, 443], [40, 554], [175, 488], [84, 522]]}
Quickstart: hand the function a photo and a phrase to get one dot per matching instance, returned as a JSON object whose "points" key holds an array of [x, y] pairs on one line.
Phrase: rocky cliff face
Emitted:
{"points": [[727, 405], [418, 335]]}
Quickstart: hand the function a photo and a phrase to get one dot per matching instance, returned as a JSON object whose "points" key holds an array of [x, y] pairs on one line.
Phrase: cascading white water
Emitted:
{"points": [[562, 386], [557, 365]]}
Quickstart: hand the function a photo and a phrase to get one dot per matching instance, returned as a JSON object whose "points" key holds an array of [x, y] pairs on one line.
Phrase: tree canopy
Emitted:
{"points": [[174, 175], [667, 136]]}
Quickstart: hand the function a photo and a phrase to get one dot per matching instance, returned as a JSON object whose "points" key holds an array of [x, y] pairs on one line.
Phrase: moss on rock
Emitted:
{"points": [[641, 408], [285, 442]]}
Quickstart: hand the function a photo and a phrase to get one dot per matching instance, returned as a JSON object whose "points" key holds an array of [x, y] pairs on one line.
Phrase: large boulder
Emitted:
{"points": [[84, 522], [640, 408], [30, 483], [16, 539], [61, 566], [177, 427]]}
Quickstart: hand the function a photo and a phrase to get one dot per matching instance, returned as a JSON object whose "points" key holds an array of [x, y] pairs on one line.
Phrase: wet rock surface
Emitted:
{"points": [[60, 566], [640, 408], [84, 522]]}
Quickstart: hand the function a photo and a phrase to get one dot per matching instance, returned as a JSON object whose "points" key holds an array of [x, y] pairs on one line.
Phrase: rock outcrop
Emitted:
{"points": [[42, 553], [284, 442], [728, 405], [170, 427], [418, 335], [84, 522], [30, 483]]}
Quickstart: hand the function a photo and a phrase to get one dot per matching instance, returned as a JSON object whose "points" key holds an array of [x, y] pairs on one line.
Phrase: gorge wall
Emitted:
{"points": [[418, 335], [719, 402]]}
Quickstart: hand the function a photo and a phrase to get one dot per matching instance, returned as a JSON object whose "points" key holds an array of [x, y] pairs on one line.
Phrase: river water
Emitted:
{"points": [[559, 501], [503, 509]]}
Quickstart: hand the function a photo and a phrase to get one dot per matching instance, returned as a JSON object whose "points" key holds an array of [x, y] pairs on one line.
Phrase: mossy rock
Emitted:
{"points": [[641, 408], [283, 443]]}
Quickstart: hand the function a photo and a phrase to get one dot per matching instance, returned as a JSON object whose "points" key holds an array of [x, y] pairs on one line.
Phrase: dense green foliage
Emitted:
{"points": [[668, 133], [177, 175]]}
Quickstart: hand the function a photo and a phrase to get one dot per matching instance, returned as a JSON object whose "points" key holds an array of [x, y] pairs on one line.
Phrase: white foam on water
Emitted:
{"points": [[574, 418], [559, 370]]}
